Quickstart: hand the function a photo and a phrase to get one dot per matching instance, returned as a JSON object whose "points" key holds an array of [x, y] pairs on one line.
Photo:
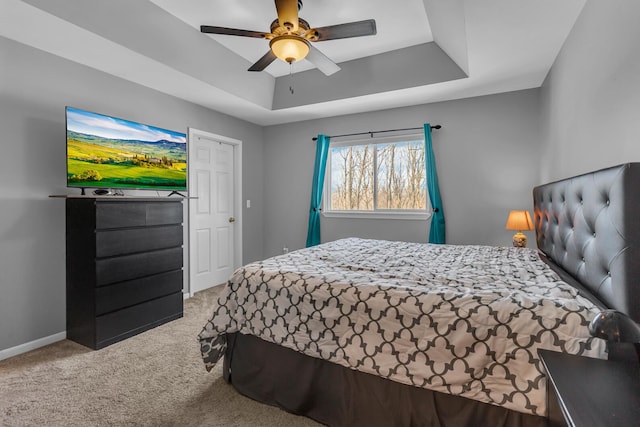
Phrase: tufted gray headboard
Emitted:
{"points": [[590, 226]]}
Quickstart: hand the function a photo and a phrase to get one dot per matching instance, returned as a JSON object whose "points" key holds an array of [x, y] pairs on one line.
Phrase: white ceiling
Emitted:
{"points": [[500, 45]]}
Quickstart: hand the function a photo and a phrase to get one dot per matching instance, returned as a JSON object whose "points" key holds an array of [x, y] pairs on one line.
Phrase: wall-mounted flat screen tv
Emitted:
{"points": [[108, 152]]}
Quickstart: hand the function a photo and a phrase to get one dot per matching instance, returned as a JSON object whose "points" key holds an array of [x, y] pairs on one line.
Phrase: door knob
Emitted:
{"points": [[232, 219]]}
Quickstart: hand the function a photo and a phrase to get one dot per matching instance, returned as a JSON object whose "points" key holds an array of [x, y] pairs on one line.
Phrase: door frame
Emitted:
{"points": [[195, 134]]}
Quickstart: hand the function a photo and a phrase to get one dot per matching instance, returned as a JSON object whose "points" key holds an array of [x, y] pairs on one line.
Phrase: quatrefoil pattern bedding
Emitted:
{"points": [[463, 320]]}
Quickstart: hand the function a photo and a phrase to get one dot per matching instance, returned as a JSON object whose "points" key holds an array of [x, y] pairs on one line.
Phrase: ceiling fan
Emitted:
{"points": [[290, 37]]}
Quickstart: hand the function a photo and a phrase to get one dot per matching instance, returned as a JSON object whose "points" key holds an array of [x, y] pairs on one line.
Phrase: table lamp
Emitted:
{"points": [[519, 220]]}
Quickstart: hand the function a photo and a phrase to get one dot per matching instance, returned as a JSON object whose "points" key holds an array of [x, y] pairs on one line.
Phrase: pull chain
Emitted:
{"points": [[291, 77]]}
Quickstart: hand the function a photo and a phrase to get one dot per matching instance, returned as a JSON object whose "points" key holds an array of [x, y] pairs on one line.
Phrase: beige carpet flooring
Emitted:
{"points": [[153, 379]]}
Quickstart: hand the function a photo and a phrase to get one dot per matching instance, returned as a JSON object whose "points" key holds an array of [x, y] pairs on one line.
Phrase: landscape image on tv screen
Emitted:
{"points": [[108, 152]]}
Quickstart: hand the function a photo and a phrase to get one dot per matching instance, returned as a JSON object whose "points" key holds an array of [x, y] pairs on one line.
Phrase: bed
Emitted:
{"points": [[366, 332]]}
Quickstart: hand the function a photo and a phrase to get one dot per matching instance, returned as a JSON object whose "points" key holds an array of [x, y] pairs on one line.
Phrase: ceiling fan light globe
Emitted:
{"points": [[289, 48]]}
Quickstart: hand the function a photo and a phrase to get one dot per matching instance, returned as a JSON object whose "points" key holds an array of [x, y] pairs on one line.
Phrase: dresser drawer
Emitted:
{"points": [[122, 214], [130, 321], [127, 267], [164, 213], [128, 241], [124, 294]]}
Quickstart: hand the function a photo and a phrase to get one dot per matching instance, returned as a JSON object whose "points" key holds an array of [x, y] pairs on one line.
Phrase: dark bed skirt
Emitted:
{"points": [[337, 396]]}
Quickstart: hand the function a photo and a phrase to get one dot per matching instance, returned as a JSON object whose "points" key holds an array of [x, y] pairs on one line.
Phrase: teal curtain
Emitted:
{"points": [[437, 230], [322, 152]]}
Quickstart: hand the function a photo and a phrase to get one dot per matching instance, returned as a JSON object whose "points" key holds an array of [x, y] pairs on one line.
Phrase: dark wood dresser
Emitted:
{"points": [[124, 267]]}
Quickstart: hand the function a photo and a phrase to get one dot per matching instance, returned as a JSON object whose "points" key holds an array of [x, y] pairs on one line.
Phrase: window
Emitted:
{"points": [[380, 177]]}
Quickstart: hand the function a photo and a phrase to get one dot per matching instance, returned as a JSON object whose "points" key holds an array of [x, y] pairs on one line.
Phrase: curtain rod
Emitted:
{"points": [[315, 138]]}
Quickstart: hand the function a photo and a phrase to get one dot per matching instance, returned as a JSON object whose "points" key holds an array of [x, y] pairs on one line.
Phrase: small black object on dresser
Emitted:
{"points": [[124, 267]]}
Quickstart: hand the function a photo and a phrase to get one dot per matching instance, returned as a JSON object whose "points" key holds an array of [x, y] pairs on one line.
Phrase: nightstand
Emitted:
{"points": [[582, 391]]}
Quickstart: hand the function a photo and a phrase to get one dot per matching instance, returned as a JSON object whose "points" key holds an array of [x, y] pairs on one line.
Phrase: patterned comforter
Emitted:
{"points": [[463, 320]]}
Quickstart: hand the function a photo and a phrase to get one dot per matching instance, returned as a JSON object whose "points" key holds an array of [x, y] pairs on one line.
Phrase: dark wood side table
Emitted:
{"points": [[582, 391]]}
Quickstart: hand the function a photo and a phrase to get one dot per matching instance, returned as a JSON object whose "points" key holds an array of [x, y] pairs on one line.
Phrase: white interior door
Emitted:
{"points": [[212, 213]]}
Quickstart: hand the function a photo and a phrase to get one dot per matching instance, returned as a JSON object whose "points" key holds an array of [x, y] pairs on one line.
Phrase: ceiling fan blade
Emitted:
{"points": [[288, 14], [343, 31], [264, 62], [208, 29], [322, 62]]}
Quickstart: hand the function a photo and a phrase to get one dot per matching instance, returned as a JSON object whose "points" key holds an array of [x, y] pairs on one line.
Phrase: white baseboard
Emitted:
{"points": [[23, 348], [32, 345]]}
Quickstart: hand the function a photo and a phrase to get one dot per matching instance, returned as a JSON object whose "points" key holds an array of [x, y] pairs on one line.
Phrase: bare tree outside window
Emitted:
{"points": [[389, 176], [352, 177]]}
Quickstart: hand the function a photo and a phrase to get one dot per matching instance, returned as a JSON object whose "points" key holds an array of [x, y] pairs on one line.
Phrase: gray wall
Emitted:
{"points": [[422, 65], [34, 89], [591, 97], [486, 155]]}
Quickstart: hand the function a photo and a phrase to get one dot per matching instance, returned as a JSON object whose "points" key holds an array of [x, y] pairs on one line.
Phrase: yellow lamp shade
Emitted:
{"points": [[289, 48], [519, 220]]}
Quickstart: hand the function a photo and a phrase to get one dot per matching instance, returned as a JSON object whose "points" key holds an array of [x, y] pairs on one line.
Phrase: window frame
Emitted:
{"points": [[376, 213]]}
